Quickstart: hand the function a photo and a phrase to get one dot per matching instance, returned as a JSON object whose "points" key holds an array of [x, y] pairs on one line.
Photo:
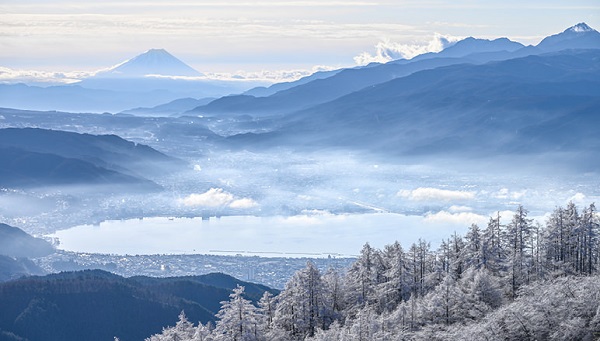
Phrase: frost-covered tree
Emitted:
{"points": [[457, 256], [512, 281], [334, 298], [481, 293], [397, 285], [238, 320], [518, 237], [590, 236], [204, 332], [441, 305], [556, 237], [266, 312], [473, 250], [494, 255], [566, 308], [572, 224], [419, 258], [363, 324], [570, 241], [301, 309], [183, 330], [363, 276], [334, 333]]}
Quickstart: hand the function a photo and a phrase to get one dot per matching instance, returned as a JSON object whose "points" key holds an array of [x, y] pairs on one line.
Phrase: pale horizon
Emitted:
{"points": [[269, 39]]}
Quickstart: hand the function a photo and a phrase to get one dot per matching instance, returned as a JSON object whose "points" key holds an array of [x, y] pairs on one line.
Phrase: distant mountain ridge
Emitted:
{"points": [[34, 157], [152, 78], [322, 90], [532, 105], [471, 45], [178, 106], [318, 91]]}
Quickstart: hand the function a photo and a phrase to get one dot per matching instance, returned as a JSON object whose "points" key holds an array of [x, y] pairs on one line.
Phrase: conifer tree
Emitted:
{"points": [[300, 310], [237, 319]]}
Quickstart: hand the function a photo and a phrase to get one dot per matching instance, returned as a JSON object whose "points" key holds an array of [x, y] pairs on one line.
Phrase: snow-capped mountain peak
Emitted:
{"points": [[152, 62], [581, 27], [579, 36]]}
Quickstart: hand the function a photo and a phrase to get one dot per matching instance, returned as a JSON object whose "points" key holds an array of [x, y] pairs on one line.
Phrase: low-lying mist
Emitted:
{"points": [[308, 183], [311, 187]]}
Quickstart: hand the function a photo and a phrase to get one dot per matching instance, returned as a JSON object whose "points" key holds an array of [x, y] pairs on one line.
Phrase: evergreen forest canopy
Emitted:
{"points": [[515, 281]]}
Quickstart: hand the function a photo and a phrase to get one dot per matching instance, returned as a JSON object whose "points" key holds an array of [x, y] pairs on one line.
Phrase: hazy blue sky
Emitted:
{"points": [[231, 35]]}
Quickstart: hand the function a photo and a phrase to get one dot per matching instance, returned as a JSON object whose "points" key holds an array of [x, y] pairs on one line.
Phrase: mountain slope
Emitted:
{"points": [[175, 107], [13, 268], [580, 36], [514, 106], [76, 98], [150, 79], [96, 305], [38, 157], [318, 91], [470, 45], [268, 91], [15, 242], [152, 62], [16, 246], [26, 169], [470, 50], [108, 151], [321, 90]]}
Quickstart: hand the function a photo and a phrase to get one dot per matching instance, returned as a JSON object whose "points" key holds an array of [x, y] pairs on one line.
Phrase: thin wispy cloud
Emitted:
{"points": [[212, 35], [27, 76], [436, 194], [71, 25], [8, 75], [81, 6]]}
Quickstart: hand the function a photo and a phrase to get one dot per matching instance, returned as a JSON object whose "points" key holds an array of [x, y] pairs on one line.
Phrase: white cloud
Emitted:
{"points": [[386, 50], [462, 218], [8, 75], [518, 195], [217, 197], [505, 193], [458, 209], [282, 75], [28, 76], [435, 194], [314, 217], [578, 198], [243, 203], [315, 212], [214, 197], [505, 216], [502, 194]]}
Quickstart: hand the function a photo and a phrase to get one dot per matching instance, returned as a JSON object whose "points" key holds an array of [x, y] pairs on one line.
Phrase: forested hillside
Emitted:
{"points": [[515, 281], [97, 305]]}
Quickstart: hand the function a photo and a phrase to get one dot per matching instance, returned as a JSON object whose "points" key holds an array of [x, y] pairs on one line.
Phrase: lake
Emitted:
{"points": [[316, 234]]}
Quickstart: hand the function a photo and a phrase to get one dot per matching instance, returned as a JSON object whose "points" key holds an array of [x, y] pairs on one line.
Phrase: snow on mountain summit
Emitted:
{"points": [[152, 62], [581, 27], [579, 36]]}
